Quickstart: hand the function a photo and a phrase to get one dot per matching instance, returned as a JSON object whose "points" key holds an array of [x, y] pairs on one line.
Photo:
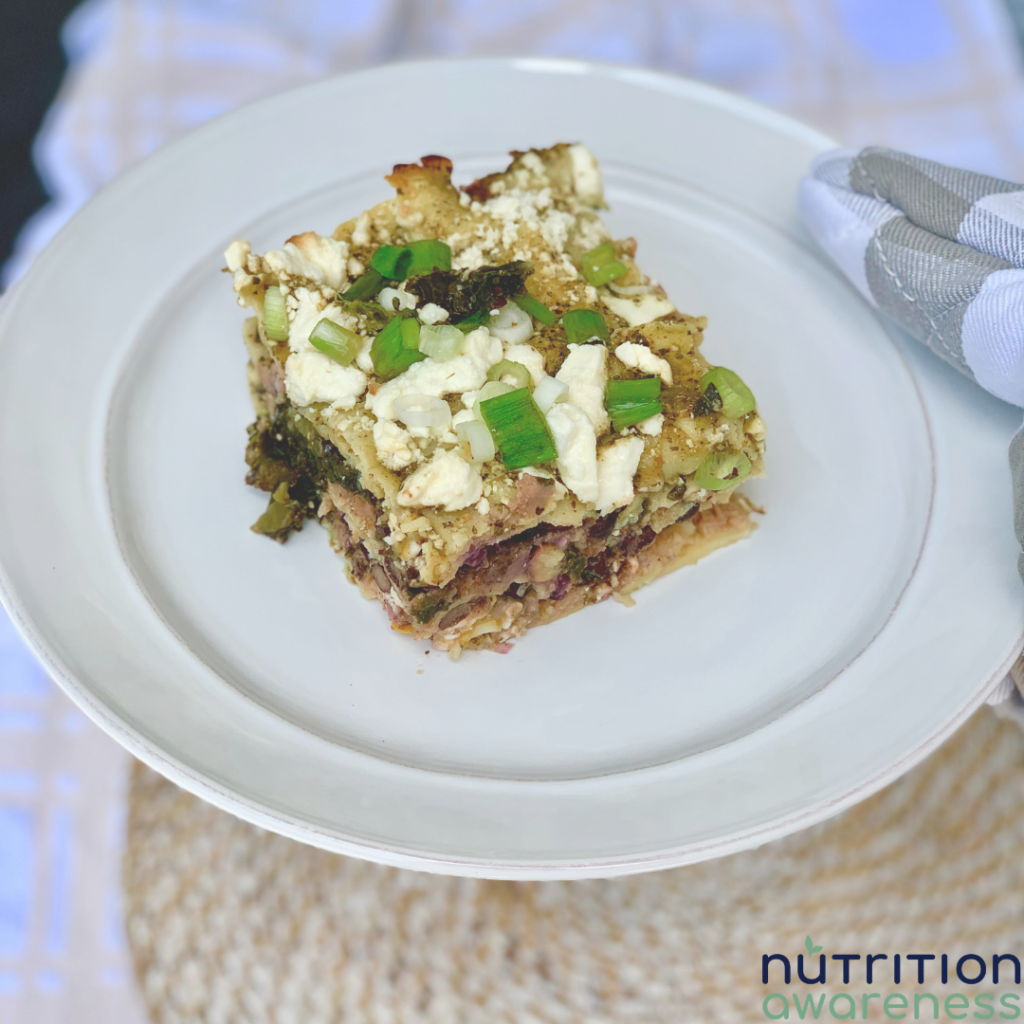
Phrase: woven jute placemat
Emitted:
{"points": [[231, 924]]}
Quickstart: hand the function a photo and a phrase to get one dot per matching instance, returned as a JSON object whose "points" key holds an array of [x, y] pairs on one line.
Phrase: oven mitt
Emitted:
{"points": [[939, 250]]}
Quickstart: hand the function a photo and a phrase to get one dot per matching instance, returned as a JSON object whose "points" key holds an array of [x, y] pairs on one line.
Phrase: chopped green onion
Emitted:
{"points": [[510, 324], [474, 320], [583, 324], [441, 341], [427, 255], [391, 261], [721, 470], [491, 389], [410, 333], [600, 265], [644, 389], [536, 309], [630, 401], [548, 392], [730, 394], [275, 314], [390, 357], [476, 440], [364, 287], [398, 262], [335, 341], [520, 432], [508, 368]]}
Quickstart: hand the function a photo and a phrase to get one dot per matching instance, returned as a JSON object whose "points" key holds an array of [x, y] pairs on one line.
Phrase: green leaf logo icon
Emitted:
{"points": [[811, 947]]}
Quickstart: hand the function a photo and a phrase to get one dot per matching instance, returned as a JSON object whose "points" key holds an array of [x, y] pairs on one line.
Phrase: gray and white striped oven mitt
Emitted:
{"points": [[941, 251]]}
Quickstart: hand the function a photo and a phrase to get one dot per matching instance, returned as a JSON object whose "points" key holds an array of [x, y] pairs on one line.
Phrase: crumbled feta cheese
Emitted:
{"points": [[590, 232], [555, 228], [640, 357], [576, 444], [532, 162], [447, 479], [585, 371], [303, 318], [530, 358], [483, 506], [313, 377], [432, 313], [586, 175], [328, 254], [393, 445], [363, 358], [237, 254], [642, 310], [292, 262], [471, 258], [652, 425], [532, 209], [616, 466], [466, 372], [355, 267], [361, 232]]}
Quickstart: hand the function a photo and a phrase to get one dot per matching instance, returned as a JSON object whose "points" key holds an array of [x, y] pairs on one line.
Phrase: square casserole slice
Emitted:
{"points": [[628, 445]]}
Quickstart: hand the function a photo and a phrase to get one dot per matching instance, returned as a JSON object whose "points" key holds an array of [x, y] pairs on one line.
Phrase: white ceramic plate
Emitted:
{"points": [[772, 685]]}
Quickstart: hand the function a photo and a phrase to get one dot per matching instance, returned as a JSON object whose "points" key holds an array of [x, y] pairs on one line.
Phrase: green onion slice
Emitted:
{"points": [[520, 432], [364, 287], [630, 401], [491, 389], [721, 470], [398, 262], [583, 324], [391, 261], [549, 391], [535, 308], [427, 255], [600, 265], [508, 368], [410, 332], [335, 341], [441, 341], [730, 394], [275, 314], [475, 440], [389, 355]]}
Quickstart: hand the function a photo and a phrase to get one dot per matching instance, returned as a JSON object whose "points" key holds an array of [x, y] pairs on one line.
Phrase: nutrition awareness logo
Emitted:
{"points": [[914, 973]]}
